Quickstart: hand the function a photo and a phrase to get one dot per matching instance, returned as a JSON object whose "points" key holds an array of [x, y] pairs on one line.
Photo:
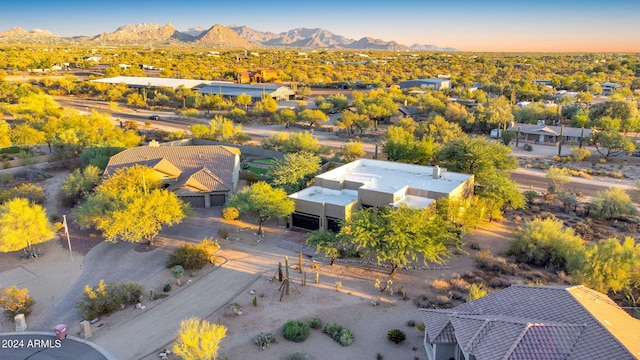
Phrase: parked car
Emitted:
{"points": [[154, 117]]}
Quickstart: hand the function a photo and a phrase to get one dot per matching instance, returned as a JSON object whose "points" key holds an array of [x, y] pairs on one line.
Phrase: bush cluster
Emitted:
{"points": [[16, 301], [485, 260], [264, 339], [194, 257], [315, 323], [230, 213], [339, 333], [298, 356], [106, 298], [295, 330]]}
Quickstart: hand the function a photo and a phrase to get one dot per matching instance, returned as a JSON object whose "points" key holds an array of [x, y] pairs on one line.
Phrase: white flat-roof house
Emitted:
{"points": [[373, 183]]}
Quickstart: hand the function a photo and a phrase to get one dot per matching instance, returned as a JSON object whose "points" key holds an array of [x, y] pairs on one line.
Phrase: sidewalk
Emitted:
{"points": [[141, 336]]}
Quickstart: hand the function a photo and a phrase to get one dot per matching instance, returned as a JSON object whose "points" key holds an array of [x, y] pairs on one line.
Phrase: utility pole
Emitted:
{"points": [[561, 139]]}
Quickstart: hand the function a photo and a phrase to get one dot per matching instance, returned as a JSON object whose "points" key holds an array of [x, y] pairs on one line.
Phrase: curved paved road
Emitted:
{"points": [[44, 346], [111, 262]]}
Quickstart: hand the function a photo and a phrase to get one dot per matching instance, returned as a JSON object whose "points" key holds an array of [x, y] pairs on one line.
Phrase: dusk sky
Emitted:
{"points": [[469, 25]]}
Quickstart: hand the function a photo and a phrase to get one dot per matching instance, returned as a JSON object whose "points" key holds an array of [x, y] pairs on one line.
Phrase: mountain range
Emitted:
{"points": [[218, 35]]}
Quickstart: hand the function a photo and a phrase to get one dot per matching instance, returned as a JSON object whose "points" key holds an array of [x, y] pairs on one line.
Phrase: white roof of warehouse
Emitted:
{"points": [[141, 81]]}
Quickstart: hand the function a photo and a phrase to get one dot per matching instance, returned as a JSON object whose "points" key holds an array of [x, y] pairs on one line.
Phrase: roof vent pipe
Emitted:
{"points": [[436, 172]]}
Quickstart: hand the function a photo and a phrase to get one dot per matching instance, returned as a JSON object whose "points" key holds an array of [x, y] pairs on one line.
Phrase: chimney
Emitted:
{"points": [[436, 172]]}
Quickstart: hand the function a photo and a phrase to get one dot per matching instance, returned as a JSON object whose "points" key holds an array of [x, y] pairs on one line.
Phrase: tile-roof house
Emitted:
{"points": [[533, 322], [203, 176]]}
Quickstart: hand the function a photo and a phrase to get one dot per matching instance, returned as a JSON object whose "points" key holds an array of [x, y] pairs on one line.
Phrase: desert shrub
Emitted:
{"points": [[130, 292], [315, 323], [455, 295], [460, 285], [264, 339], [545, 243], [339, 333], [499, 283], [443, 300], [612, 203], [210, 247], [396, 336], [530, 195], [30, 192], [16, 301], [295, 330], [411, 323], [579, 154], [166, 288], [420, 326], [298, 356], [440, 285], [189, 256], [102, 299], [485, 260], [230, 213], [476, 292]]}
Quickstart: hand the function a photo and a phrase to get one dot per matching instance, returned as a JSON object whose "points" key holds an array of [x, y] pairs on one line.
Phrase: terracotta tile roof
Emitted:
{"points": [[540, 322], [206, 168]]}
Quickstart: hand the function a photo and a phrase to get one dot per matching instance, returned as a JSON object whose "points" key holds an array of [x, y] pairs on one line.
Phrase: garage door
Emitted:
{"points": [[195, 201], [217, 199], [305, 221], [333, 224]]}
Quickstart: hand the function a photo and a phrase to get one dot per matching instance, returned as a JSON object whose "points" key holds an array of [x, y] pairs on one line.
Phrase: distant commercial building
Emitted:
{"points": [[435, 84], [226, 89], [373, 183], [256, 91]]}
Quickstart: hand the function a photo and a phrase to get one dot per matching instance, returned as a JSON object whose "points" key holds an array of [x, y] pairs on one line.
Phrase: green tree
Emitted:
{"points": [[23, 225], [244, 100], [267, 105], [198, 339], [353, 122], [296, 142], [264, 200], [490, 163], [131, 206], [558, 178], [338, 101], [78, 185], [495, 114], [326, 242], [401, 235], [5, 134], [456, 113], [351, 151], [293, 172], [285, 116], [313, 117], [144, 217], [607, 265], [612, 203], [612, 143], [27, 137], [401, 145], [545, 243]]}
